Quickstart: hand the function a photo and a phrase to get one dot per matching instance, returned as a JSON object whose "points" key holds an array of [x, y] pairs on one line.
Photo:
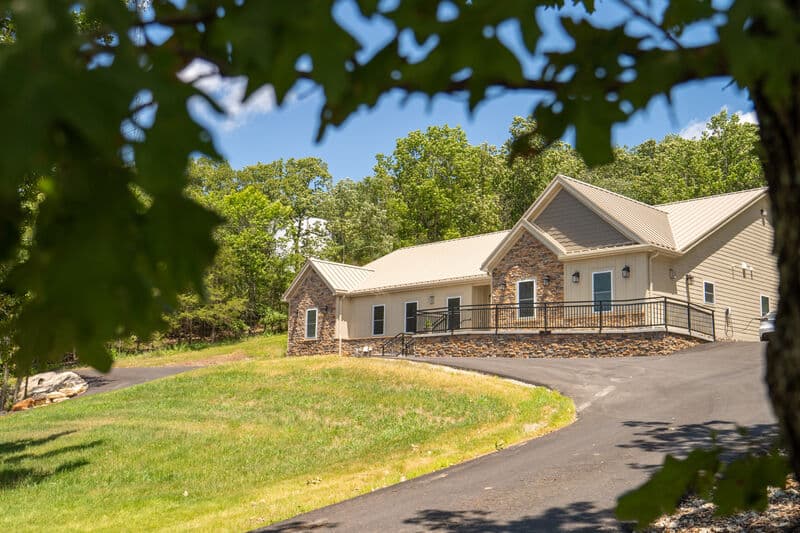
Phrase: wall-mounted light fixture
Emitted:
{"points": [[689, 279], [576, 277], [431, 299], [325, 309], [546, 280], [626, 272], [673, 275], [745, 269]]}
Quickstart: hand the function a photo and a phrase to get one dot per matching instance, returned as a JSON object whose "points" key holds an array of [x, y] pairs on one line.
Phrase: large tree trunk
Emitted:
{"points": [[4, 387], [780, 138]]}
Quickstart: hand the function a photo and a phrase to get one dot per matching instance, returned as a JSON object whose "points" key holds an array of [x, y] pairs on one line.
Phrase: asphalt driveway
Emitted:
{"points": [[119, 378], [631, 412]]}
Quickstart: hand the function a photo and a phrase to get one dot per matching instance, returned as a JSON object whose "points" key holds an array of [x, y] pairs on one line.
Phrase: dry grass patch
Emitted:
{"points": [[256, 347], [246, 444]]}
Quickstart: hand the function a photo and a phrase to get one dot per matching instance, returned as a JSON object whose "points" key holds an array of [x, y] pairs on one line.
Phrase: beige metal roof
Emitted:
{"points": [[340, 277], [650, 224], [674, 227], [452, 260], [691, 220]]}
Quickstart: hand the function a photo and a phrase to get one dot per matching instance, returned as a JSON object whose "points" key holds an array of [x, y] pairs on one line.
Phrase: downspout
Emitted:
{"points": [[650, 272], [339, 304]]}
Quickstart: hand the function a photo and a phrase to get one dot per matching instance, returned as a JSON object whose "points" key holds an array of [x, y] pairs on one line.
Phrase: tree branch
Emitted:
{"points": [[647, 19]]}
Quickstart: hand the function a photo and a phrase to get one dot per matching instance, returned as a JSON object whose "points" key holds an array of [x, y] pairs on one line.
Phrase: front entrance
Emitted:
{"points": [[411, 317], [454, 313], [602, 291]]}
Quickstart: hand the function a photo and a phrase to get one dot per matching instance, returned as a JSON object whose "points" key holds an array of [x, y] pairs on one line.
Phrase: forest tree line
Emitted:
{"points": [[435, 185]]}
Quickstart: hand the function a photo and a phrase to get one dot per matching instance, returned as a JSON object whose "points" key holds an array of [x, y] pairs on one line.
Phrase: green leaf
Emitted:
{"points": [[681, 13], [744, 483], [662, 493]]}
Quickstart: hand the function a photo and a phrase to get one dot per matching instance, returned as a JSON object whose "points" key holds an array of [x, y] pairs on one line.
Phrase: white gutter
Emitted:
{"points": [[617, 250]]}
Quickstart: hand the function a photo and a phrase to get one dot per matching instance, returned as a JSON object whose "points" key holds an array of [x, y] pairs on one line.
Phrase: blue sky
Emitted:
{"points": [[261, 131]]}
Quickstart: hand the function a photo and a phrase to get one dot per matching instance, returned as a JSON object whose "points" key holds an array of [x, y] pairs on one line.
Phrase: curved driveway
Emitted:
{"points": [[631, 412]]}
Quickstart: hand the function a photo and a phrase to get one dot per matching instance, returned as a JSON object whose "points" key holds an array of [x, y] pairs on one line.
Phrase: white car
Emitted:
{"points": [[767, 327]]}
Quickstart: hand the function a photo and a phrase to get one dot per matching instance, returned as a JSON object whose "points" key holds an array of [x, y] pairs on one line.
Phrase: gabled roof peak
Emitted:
{"points": [[641, 222], [339, 277], [601, 189]]}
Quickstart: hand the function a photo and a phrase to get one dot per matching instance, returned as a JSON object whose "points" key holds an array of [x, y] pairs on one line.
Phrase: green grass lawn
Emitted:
{"points": [[240, 445]]}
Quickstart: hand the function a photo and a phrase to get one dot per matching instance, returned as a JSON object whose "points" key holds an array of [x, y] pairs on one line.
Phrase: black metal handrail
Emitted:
{"points": [[655, 312], [405, 340]]}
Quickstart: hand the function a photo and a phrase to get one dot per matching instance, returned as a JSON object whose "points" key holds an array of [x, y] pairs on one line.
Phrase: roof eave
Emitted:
{"points": [[544, 237], [419, 285], [617, 250], [295, 282], [308, 265], [544, 198]]}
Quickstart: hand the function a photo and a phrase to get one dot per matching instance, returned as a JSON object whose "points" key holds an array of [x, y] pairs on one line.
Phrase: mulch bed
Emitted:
{"points": [[697, 516]]}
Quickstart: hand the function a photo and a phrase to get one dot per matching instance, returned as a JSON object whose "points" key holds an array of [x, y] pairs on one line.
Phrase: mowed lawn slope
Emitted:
{"points": [[244, 444], [255, 347]]}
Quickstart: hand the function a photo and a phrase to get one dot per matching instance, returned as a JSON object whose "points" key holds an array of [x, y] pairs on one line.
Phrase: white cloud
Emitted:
{"points": [[749, 118], [316, 228], [228, 93], [696, 127]]}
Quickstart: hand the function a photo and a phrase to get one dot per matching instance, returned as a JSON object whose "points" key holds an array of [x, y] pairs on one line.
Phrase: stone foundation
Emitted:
{"points": [[524, 345], [331, 346]]}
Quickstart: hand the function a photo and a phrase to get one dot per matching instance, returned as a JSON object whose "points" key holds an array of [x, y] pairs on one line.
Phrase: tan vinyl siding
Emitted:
{"points": [[481, 295], [623, 289], [747, 238], [357, 310], [659, 275], [575, 226]]}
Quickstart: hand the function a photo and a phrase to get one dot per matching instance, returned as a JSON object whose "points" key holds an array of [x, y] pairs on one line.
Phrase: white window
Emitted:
{"points": [[411, 317], [526, 298], [311, 323], [602, 290], [378, 319], [708, 292], [764, 305]]}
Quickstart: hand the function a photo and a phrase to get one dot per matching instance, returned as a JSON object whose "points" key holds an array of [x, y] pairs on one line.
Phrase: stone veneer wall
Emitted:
{"points": [[331, 346], [312, 292], [528, 259], [519, 345], [526, 345]]}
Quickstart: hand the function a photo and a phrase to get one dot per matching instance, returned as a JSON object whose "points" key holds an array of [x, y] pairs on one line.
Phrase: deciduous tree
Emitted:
{"points": [[104, 262], [444, 185], [533, 162]]}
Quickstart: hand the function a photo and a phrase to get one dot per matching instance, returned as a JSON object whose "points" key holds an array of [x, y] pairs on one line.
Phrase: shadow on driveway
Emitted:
{"points": [[578, 516], [678, 440]]}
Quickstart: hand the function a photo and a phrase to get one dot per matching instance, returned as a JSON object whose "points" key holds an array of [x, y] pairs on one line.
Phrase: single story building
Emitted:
{"points": [[584, 271]]}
